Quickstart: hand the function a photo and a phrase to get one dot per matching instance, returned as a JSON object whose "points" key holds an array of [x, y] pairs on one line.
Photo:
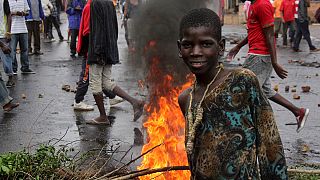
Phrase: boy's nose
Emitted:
{"points": [[196, 50]]}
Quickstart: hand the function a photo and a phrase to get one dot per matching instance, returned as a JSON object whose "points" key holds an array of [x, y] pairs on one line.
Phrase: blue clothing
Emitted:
{"points": [[22, 39], [74, 15], [4, 94], [6, 61], [41, 14]]}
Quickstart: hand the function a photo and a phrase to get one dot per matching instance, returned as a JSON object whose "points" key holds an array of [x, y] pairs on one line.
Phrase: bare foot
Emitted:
{"points": [[8, 107], [138, 110]]}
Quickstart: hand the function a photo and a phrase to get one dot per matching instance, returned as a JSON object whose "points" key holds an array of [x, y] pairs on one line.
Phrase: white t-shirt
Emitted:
{"points": [[18, 24]]}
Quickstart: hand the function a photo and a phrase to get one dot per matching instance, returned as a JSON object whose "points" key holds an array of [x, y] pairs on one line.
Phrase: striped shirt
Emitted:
{"points": [[18, 24]]}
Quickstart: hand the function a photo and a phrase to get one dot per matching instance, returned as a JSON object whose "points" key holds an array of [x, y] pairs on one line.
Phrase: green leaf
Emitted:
{"points": [[5, 169]]}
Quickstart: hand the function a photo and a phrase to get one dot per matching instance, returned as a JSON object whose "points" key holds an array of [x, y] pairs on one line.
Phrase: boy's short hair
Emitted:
{"points": [[201, 17]]}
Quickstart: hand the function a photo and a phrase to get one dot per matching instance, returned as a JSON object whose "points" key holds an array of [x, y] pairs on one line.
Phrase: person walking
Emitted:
{"points": [[277, 17], [34, 19], [74, 11], [302, 22], [102, 54], [47, 7], [262, 56], [130, 10], [19, 34], [83, 83], [53, 20], [287, 9], [5, 29]]}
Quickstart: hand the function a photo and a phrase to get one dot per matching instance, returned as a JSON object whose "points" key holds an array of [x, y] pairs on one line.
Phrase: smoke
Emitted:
{"points": [[158, 21]]}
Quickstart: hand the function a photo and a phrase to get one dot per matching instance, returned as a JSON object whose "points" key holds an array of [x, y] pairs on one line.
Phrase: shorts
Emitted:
{"points": [[100, 78], [261, 66]]}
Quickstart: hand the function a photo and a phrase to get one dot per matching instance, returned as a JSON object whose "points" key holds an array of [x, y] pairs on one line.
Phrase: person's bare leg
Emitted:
{"points": [[99, 101], [136, 104], [285, 103]]}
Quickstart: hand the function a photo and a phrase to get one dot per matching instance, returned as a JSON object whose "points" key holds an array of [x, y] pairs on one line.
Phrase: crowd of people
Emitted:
{"points": [[291, 15], [21, 22]]}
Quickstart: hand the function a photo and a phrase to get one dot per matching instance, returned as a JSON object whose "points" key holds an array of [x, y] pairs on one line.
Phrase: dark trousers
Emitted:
{"points": [[73, 43], [83, 83], [53, 21], [291, 26], [33, 30], [302, 30], [46, 24]]}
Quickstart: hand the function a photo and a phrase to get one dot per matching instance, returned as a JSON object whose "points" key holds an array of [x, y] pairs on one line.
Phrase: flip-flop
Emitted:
{"points": [[12, 106], [94, 122]]}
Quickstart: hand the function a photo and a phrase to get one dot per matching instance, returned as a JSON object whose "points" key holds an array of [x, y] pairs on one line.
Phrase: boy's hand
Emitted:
{"points": [[6, 49], [7, 37], [19, 13], [232, 53], [282, 73]]}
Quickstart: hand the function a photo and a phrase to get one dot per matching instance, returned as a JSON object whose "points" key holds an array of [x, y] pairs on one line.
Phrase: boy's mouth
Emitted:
{"points": [[198, 64]]}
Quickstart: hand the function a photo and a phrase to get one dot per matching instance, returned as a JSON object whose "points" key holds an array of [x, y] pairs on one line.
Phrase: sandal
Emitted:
{"points": [[8, 107], [95, 122]]}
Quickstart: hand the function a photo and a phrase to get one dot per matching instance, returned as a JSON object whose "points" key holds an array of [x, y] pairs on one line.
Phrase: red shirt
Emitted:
{"points": [[84, 28], [288, 10], [260, 16]]}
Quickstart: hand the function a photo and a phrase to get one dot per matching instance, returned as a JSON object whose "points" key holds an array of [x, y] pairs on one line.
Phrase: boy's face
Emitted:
{"points": [[199, 49]]}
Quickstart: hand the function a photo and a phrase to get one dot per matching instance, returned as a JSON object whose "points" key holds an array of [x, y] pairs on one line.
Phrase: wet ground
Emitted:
{"points": [[46, 112]]}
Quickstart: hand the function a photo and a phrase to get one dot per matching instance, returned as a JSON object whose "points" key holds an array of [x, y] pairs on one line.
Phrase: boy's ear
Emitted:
{"points": [[222, 45], [179, 48]]}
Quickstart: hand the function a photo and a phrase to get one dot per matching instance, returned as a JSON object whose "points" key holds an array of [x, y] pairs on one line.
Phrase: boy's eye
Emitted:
{"points": [[207, 44], [186, 45]]}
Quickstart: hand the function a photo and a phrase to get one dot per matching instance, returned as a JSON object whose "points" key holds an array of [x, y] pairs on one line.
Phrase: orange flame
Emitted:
{"points": [[165, 124]]}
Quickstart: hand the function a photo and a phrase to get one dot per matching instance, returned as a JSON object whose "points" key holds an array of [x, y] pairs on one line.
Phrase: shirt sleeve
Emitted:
{"points": [[26, 6], [265, 14], [270, 150], [6, 7]]}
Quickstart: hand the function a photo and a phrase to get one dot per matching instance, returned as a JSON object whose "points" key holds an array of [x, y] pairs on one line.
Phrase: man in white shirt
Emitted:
{"points": [[19, 34]]}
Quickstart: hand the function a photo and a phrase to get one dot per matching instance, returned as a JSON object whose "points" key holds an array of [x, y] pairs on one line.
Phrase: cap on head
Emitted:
{"points": [[201, 17]]}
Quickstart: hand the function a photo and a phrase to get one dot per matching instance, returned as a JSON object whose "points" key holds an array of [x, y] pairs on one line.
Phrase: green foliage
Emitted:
{"points": [[43, 164], [302, 176]]}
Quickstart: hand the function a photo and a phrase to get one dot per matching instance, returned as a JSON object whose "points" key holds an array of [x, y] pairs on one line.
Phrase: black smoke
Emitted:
{"points": [[158, 20]]}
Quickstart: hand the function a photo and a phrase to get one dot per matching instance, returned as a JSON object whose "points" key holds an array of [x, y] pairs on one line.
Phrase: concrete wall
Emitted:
{"points": [[238, 18]]}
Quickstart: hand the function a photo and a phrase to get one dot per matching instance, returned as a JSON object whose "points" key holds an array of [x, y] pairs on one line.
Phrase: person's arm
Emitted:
{"points": [[234, 51], [125, 10], [269, 148], [266, 20], [269, 34]]}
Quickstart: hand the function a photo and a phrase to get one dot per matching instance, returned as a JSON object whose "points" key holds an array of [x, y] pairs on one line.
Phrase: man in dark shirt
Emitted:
{"points": [[302, 22]]}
